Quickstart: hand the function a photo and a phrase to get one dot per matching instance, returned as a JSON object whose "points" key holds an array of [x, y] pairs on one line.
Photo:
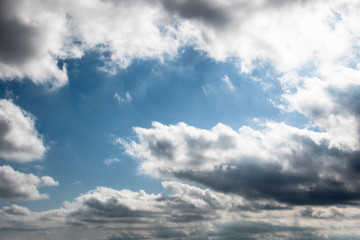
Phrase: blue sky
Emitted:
{"points": [[81, 120], [179, 119]]}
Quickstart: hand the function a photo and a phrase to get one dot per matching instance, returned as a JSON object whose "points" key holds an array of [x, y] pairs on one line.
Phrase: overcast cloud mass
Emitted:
{"points": [[289, 170]]}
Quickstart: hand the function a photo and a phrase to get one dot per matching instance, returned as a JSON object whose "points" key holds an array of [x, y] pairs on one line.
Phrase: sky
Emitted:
{"points": [[179, 119]]}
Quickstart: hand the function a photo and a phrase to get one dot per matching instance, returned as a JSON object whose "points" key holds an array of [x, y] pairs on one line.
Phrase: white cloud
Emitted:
{"points": [[123, 99], [184, 147], [289, 34], [22, 186], [48, 181], [126, 214], [329, 101], [111, 160], [42, 33], [37, 37], [277, 162], [228, 83], [19, 140]]}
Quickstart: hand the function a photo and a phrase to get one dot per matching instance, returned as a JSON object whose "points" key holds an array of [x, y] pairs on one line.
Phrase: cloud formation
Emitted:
{"points": [[44, 33], [32, 39], [121, 31], [16, 185], [19, 140], [279, 162], [188, 212], [273, 182]]}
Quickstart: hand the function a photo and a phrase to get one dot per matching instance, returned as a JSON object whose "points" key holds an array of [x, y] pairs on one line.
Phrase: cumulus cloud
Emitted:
{"points": [[16, 210], [19, 140], [42, 33], [184, 213], [31, 41], [266, 183], [279, 162], [16, 185], [330, 102]]}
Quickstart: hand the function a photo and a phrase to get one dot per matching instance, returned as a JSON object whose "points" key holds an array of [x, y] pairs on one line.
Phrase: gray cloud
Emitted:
{"points": [[222, 14], [206, 11], [269, 182], [188, 212], [16, 210], [107, 206], [35, 36], [18, 42], [279, 163], [16, 185]]}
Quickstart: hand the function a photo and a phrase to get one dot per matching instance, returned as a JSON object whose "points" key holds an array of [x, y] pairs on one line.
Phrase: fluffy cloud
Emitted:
{"points": [[290, 34], [279, 162], [32, 39], [330, 102], [19, 140], [17, 185], [42, 33], [183, 214]]}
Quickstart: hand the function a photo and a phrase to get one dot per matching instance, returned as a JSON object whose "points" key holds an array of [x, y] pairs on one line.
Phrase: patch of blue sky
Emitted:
{"points": [[79, 120]]}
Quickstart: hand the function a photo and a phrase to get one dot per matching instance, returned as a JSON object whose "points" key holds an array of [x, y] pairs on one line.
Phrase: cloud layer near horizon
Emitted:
{"points": [[188, 213]]}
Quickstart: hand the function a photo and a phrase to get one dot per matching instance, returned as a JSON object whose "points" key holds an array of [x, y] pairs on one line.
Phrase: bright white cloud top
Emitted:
{"points": [[20, 142], [271, 179]]}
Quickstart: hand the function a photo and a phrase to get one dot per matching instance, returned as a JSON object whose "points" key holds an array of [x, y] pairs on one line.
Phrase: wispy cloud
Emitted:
{"points": [[111, 160], [228, 83], [122, 98]]}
